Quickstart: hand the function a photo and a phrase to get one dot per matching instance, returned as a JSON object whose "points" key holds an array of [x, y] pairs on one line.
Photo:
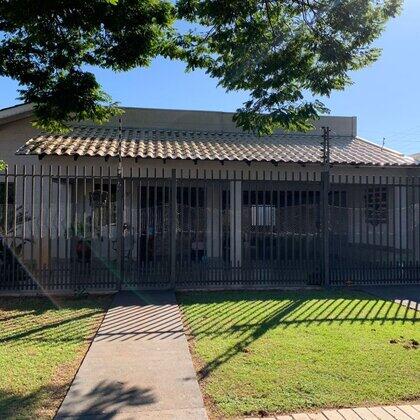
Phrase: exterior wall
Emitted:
{"points": [[12, 136], [213, 120]]}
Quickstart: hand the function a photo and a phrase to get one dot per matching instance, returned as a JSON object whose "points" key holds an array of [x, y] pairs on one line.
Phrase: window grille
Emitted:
{"points": [[376, 205]]}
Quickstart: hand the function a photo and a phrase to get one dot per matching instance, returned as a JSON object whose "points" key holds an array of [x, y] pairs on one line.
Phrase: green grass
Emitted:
{"points": [[41, 346], [293, 351]]}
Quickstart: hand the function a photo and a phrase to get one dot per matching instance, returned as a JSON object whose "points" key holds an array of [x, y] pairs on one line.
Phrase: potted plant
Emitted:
{"points": [[82, 243]]}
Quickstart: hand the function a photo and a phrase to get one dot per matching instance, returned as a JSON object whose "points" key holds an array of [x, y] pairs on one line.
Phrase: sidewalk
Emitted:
{"points": [[138, 365], [404, 295], [390, 412]]}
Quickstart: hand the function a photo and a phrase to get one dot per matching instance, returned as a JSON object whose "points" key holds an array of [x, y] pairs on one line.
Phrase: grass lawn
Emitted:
{"points": [[271, 352], [41, 346]]}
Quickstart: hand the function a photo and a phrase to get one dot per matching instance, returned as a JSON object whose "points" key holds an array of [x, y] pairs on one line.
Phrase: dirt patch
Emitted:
{"points": [[408, 344]]}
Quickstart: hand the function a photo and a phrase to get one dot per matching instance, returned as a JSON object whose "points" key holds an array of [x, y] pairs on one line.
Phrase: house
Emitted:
{"points": [[186, 200]]}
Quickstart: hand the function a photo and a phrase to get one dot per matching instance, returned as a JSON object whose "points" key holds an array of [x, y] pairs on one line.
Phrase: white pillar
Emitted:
{"points": [[236, 223], [214, 210], [400, 197]]}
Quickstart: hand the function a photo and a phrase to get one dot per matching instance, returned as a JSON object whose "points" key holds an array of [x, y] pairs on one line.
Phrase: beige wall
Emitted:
{"points": [[12, 136], [213, 120]]}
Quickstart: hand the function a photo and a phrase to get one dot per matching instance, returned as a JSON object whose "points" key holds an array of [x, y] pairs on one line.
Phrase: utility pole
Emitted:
{"points": [[325, 216], [120, 210]]}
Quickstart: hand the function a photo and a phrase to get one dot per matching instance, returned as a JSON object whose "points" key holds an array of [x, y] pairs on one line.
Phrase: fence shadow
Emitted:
{"points": [[247, 316], [136, 315], [42, 321]]}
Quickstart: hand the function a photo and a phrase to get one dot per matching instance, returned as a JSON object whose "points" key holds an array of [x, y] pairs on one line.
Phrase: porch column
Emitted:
{"points": [[236, 223], [214, 220]]}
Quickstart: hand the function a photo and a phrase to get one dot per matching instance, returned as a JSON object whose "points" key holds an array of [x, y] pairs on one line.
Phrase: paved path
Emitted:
{"points": [[408, 295], [391, 412], [138, 366]]}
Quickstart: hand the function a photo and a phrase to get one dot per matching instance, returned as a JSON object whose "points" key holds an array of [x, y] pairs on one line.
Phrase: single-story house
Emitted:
{"points": [[185, 199]]}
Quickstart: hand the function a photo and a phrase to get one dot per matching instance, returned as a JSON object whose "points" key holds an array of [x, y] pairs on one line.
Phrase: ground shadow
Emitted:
{"points": [[25, 406], [249, 315], [105, 400], [43, 321], [139, 315]]}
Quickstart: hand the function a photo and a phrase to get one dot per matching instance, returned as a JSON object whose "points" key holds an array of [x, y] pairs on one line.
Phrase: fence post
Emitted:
{"points": [[120, 210], [325, 181], [119, 228], [173, 221], [325, 214]]}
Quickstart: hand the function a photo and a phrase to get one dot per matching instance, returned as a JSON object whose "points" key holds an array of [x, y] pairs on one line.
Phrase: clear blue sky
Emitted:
{"points": [[384, 97]]}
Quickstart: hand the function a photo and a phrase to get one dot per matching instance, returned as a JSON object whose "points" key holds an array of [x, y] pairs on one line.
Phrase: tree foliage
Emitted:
{"points": [[47, 45], [283, 51], [280, 51]]}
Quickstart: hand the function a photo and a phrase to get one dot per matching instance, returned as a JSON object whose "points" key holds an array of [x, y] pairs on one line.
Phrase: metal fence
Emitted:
{"points": [[90, 229]]}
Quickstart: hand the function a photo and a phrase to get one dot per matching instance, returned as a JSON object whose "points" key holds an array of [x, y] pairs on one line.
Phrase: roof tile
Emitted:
{"points": [[207, 145]]}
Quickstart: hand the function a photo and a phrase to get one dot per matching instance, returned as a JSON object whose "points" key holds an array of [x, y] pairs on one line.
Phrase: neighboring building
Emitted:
{"points": [[202, 204]]}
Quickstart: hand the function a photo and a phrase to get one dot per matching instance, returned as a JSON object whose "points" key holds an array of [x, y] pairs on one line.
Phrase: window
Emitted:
{"points": [[376, 205], [106, 213], [7, 204], [263, 215]]}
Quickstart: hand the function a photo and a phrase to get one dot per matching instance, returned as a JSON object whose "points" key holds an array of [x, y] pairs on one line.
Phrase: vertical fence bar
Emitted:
{"points": [[13, 232], [67, 236], [173, 223], [33, 262], [119, 227], [58, 229], [50, 275], [41, 216], [25, 280], [325, 181]]}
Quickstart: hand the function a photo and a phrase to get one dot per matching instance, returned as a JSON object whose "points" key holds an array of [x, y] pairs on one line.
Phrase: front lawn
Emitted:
{"points": [[268, 352], [42, 343]]}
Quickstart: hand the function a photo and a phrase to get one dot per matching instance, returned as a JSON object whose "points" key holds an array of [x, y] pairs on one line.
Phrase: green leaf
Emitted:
{"points": [[282, 51]]}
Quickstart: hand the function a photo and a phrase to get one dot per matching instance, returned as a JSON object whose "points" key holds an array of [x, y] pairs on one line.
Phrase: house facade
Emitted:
{"points": [[186, 200]]}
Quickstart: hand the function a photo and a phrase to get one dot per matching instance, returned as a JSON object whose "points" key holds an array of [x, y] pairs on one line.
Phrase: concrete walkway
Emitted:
{"points": [[407, 295], [138, 366], [390, 412]]}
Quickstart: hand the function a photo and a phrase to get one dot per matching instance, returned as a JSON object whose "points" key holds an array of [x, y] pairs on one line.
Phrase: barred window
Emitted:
{"points": [[376, 205], [263, 215]]}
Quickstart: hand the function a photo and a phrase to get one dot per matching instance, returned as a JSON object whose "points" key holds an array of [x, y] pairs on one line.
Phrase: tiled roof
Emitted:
{"points": [[207, 145]]}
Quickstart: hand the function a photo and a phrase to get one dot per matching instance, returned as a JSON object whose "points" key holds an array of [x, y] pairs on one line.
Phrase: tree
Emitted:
{"points": [[277, 50], [281, 51], [46, 46]]}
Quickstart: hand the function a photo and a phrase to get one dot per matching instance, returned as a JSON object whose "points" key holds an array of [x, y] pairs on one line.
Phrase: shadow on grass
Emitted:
{"points": [[247, 316], [40, 320], [103, 402], [26, 406]]}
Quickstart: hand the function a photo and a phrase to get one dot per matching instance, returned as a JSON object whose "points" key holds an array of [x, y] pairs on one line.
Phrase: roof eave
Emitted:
{"points": [[273, 161], [15, 113]]}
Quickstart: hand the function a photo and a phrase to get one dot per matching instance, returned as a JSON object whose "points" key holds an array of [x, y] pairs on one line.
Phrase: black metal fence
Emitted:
{"points": [[75, 229]]}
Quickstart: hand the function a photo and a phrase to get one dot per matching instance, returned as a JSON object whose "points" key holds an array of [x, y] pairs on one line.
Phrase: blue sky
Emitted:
{"points": [[384, 97]]}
